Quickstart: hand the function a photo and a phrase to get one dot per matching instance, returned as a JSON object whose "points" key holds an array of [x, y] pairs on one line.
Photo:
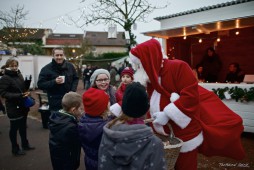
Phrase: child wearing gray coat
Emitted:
{"points": [[130, 146]]}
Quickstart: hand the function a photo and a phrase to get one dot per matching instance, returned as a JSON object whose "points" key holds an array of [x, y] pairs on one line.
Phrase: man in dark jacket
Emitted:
{"points": [[57, 78]]}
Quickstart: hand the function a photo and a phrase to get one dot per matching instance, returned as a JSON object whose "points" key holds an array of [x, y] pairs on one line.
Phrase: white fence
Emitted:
{"points": [[29, 65]]}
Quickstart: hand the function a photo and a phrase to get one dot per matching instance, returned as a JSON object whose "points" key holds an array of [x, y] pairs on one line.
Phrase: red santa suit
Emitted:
{"points": [[197, 116]]}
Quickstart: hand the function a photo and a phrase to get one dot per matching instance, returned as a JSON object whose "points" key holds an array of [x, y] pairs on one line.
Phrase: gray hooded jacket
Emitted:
{"points": [[130, 147]]}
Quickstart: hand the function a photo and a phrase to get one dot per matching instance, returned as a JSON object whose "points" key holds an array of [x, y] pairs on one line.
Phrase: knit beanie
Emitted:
{"points": [[96, 73], [135, 101], [129, 71], [95, 101]]}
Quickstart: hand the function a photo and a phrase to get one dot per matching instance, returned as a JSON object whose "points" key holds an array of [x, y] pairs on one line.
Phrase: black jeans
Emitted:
{"points": [[15, 126], [2, 108]]}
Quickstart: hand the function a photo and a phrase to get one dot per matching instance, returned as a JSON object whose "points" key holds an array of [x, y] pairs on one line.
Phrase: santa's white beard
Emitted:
{"points": [[141, 76]]}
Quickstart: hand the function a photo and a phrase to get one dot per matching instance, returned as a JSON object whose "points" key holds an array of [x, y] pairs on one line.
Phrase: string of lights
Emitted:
{"points": [[30, 30], [201, 38]]}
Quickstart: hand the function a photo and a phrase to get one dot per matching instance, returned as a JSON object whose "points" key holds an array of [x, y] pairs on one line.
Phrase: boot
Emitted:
{"points": [[17, 152], [28, 147]]}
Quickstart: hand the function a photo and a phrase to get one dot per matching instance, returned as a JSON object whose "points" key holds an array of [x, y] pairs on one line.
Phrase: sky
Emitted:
{"points": [[54, 14]]}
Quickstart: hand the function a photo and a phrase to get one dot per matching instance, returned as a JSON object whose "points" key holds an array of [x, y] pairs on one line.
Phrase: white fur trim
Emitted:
{"points": [[176, 115], [116, 109], [155, 107], [192, 144], [134, 59], [174, 97], [155, 102]]}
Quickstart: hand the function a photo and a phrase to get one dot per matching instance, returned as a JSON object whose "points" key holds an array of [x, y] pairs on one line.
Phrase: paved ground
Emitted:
{"points": [[38, 159]]}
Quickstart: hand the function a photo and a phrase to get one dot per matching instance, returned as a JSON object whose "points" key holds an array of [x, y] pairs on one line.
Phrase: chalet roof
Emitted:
{"points": [[203, 9], [221, 17], [101, 39]]}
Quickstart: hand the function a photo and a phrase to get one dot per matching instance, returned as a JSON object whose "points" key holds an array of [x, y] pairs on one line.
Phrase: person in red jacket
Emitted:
{"points": [[197, 115], [126, 79]]}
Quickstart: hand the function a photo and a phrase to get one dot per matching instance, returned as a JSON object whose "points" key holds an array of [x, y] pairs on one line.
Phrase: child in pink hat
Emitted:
{"points": [[126, 79]]}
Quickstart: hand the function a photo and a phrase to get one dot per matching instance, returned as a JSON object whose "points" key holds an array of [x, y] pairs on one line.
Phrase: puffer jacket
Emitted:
{"points": [[55, 92], [64, 141], [90, 132], [11, 88]]}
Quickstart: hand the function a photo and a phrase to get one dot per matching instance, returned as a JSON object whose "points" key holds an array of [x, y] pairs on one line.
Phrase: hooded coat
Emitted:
{"points": [[64, 143], [130, 147]]}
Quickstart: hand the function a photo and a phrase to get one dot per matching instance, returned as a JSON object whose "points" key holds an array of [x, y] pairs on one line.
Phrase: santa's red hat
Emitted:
{"points": [[129, 71], [149, 54], [95, 101]]}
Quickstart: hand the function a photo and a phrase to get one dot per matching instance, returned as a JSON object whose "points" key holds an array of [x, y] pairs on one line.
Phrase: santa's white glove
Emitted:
{"points": [[159, 129], [116, 109], [174, 97], [160, 118]]}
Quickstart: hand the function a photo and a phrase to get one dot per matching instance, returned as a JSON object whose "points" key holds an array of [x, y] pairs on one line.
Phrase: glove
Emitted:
{"points": [[159, 129], [174, 97], [116, 109], [160, 118]]}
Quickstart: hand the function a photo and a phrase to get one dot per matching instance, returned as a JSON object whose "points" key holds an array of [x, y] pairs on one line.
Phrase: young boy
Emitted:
{"points": [[96, 104], [131, 146], [64, 143]]}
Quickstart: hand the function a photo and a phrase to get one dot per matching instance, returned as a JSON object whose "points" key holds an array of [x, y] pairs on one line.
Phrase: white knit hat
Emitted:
{"points": [[96, 73]]}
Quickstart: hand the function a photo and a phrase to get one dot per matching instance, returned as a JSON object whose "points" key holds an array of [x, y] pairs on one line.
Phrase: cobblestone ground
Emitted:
{"points": [[206, 163]]}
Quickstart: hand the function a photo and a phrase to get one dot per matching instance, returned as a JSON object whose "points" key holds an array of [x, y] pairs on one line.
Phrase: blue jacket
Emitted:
{"points": [[90, 132]]}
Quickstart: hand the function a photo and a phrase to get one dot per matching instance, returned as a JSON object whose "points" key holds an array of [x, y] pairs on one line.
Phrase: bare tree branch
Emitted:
{"points": [[12, 20], [122, 12]]}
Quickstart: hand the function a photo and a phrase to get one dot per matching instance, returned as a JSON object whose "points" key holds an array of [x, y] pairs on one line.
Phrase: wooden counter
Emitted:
{"points": [[243, 109]]}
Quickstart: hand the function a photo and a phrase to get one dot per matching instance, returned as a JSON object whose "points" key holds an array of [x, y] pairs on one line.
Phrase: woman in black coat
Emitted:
{"points": [[12, 88]]}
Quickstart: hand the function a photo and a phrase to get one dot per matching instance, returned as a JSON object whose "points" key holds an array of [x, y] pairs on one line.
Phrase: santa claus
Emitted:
{"points": [[197, 116]]}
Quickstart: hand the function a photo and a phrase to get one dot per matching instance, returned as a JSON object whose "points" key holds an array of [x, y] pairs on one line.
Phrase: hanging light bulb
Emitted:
{"points": [[218, 39], [184, 37], [200, 40], [237, 33]]}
